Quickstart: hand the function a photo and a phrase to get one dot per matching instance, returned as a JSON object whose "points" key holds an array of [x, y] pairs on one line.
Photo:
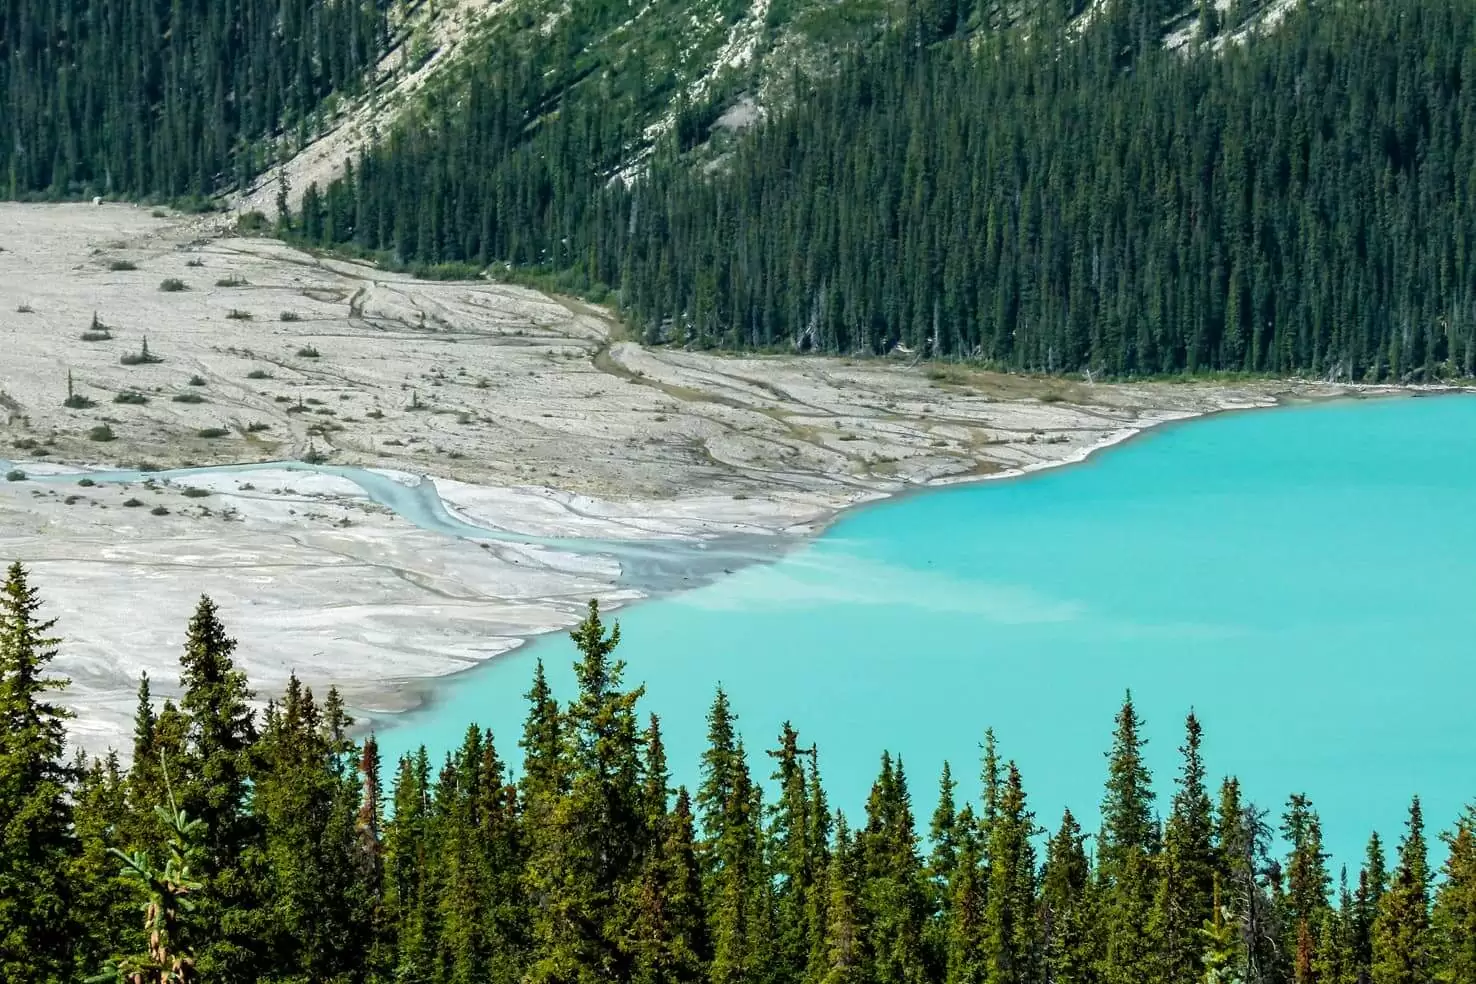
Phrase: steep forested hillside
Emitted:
{"points": [[167, 97], [273, 848]]}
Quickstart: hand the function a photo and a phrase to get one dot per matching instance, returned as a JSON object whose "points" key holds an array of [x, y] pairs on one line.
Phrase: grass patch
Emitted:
{"points": [[308, 352], [172, 285], [187, 398], [102, 433], [211, 433], [131, 397], [122, 266], [236, 314], [258, 374]]}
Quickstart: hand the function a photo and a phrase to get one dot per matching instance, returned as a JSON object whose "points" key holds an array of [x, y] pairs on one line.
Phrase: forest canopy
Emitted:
{"points": [[244, 847]]}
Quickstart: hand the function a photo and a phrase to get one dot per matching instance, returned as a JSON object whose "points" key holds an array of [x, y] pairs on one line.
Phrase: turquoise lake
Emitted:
{"points": [[1304, 578]]}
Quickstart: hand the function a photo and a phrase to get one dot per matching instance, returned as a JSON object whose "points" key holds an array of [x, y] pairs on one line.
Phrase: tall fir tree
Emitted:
{"points": [[1401, 932], [37, 928]]}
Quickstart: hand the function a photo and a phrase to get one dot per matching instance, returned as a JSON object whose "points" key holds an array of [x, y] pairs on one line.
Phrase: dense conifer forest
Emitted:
{"points": [[1047, 197], [168, 98], [245, 847]]}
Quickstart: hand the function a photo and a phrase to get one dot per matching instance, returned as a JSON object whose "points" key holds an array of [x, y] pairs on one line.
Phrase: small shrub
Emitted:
{"points": [[25, 443], [172, 285], [159, 511], [15, 475], [195, 493], [24, 309], [375, 414], [132, 503], [290, 316], [143, 357], [187, 398], [72, 500], [131, 397], [253, 223], [86, 483], [231, 281], [97, 336], [211, 433], [122, 266], [77, 401], [314, 457], [257, 426], [313, 401], [101, 433], [258, 374], [236, 314], [281, 398], [308, 352], [197, 381], [195, 261]]}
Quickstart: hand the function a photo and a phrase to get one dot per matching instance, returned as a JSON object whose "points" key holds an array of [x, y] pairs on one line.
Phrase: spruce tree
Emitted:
{"points": [[1401, 932], [1067, 951], [1186, 868], [37, 901], [1306, 904], [1009, 919], [1453, 924], [1126, 848]]}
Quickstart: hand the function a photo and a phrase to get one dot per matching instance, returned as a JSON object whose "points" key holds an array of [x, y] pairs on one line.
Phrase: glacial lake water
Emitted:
{"points": [[1304, 578]]}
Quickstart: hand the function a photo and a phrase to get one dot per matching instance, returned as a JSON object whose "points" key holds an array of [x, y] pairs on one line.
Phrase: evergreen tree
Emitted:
{"points": [[1010, 938], [1306, 906], [1401, 933], [1183, 902], [36, 842], [1453, 935], [1126, 849], [1068, 955]]}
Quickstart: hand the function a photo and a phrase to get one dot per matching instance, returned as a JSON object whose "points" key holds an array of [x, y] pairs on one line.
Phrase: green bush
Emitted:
{"points": [[132, 503], [97, 336], [159, 511], [258, 374], [212, 432], [15, 475], [172, 285], [236, 314], [187, 398], [308, 352], [257, 426], [102, 432], [131, 397], [290, 316], [120, 266], [194, 493], [231, 281]]}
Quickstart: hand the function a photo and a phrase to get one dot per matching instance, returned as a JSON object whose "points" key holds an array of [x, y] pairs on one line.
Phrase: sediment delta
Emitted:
{"points": [[530, 412]]}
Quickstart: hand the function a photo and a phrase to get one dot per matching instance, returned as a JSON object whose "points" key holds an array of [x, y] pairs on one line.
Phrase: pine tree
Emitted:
{"points": [[36, 900], [894, 895], [228, 915], [795, 863], [1401, 933], [1010, 931], [1126, 848], [1453, 935], [1068, 955], [1306, 906], [846, 960], [1373, 881], [1186, 867]]}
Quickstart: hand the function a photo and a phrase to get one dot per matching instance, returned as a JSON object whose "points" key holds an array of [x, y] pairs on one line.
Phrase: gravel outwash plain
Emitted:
{"points": [[529, 412]]}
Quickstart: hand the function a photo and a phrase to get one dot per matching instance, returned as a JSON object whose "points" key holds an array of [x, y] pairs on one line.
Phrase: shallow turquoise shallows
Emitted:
{"points": [[1303, 578]]}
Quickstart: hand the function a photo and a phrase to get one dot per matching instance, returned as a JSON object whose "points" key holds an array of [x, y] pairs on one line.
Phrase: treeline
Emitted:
{"points": [[243, 848], [168, 98], [1044, 197]]}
